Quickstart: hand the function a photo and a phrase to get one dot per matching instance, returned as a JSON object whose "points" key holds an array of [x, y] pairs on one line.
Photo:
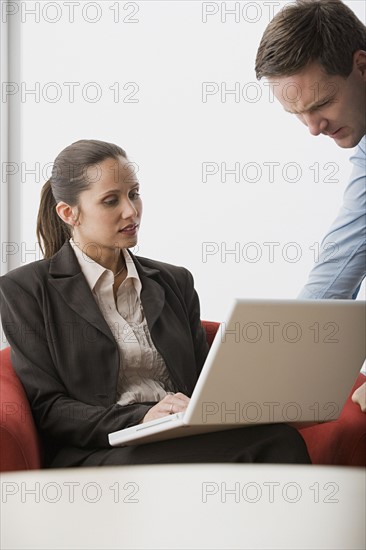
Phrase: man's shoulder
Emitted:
{"points": [[362, 145], [360, 149], [358, 157]]}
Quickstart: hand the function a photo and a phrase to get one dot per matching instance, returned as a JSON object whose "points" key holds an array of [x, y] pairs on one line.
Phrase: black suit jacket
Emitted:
{"points": [[67, 358]]}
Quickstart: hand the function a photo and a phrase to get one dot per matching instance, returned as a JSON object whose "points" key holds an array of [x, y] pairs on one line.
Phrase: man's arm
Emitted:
{"points": [[342, 264]]}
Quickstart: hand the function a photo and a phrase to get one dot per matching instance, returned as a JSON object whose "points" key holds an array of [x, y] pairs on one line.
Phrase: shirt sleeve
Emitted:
{"points": [[341, 266]]}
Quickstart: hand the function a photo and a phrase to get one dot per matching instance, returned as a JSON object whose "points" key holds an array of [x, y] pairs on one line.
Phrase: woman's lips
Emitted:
{"points": [[130, 229]]}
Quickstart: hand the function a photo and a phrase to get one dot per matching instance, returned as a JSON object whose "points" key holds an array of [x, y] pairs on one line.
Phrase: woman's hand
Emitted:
{"points": [[171, 404]]}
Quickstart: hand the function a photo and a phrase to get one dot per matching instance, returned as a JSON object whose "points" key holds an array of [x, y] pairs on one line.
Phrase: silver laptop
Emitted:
{"points": [[289, 361]]}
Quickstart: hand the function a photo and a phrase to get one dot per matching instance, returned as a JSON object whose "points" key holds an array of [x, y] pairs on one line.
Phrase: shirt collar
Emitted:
{"points": [[93, 271]]}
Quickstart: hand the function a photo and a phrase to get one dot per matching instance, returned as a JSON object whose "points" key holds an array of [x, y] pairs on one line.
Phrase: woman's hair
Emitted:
{"points": [[69, 178], [323, 31]]}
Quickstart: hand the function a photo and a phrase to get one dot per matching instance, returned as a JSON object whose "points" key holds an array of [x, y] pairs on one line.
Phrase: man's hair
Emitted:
{"points": [[323, 31]]}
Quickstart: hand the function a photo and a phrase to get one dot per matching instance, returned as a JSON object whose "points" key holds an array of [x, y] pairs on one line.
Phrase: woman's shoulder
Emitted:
{"points": [[165, 269], [26, 274], [63, 262]]}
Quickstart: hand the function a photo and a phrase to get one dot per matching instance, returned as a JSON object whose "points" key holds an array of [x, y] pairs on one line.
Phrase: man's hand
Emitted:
{"points": [[171, 404], [359, 396]]}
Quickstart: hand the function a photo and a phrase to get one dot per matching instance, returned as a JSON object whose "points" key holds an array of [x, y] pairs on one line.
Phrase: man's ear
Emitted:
{"points": [[66, 213], [359, 62]]}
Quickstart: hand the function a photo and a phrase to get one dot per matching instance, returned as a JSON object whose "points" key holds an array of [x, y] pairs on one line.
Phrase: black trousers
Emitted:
{"points": [[275, 443]]}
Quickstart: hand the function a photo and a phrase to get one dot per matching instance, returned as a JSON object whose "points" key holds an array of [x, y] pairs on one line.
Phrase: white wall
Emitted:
{"points": [[162, 53]]}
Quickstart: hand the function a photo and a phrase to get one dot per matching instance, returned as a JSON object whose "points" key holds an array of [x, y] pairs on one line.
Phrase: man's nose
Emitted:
{"points": [[316, 123]]}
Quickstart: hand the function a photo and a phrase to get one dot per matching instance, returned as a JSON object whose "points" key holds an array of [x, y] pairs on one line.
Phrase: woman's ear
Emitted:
{"points": [[67, 214]]}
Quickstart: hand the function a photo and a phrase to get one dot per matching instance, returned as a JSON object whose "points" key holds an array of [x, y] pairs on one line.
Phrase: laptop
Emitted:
{"points": [[292, 361]]}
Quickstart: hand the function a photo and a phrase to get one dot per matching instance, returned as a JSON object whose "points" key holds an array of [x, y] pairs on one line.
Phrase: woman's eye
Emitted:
{"points": [[134, 195], [110, 202]]}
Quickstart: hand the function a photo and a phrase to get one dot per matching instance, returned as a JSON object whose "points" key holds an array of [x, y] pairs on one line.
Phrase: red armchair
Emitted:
{"points": [[341, 442], [19, 442]]}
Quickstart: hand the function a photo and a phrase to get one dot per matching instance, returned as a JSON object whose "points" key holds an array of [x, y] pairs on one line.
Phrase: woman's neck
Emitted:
{"points": [[112, 259]]}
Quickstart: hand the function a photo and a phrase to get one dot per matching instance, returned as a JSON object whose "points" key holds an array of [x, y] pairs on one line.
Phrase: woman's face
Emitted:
{"points": [[109, 213]]}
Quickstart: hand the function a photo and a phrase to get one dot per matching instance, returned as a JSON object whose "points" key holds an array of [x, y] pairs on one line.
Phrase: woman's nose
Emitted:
{"points": [[128, 209]]}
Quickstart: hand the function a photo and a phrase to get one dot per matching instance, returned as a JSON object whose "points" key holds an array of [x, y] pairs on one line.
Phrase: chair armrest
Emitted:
{"points": [[211, 328], [20, 445], [342, 441]]}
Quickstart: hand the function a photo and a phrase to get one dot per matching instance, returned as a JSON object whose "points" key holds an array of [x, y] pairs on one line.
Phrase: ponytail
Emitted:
{"points": [[51, 230]]}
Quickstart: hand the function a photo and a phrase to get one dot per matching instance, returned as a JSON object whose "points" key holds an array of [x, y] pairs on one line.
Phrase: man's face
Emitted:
{"points": [[329, 105]]}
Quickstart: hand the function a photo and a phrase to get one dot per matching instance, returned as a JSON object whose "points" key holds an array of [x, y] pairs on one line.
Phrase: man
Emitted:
{"points": [[313, 54]]}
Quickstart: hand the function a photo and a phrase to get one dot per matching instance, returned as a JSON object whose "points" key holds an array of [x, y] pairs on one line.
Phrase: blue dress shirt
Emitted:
{"points": [[342, 263]]}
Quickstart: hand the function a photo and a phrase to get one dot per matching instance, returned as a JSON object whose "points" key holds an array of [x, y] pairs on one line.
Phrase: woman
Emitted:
{"points": [[103, 340]]}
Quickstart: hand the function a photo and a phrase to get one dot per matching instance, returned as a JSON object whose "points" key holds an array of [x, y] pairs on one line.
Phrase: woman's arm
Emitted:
{"points": [[56, 413], [198, 332]]}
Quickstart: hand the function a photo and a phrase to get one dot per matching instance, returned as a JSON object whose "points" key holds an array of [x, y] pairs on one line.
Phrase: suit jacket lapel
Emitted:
{"points": [[152, 293], [170, 336], [67, 278]]}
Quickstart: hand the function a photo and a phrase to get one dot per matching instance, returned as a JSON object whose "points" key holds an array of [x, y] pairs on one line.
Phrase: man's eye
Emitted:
{"points": [[329, 102]]}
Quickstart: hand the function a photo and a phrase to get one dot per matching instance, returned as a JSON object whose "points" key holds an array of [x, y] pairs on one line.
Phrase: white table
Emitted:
{"points": [[185, 506]]}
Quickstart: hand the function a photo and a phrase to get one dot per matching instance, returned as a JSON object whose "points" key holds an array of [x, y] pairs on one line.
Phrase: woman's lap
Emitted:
{"points": [[275, 443]]}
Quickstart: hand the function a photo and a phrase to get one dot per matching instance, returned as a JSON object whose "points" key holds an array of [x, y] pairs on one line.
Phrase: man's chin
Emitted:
{"points": [[349, 142]]}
